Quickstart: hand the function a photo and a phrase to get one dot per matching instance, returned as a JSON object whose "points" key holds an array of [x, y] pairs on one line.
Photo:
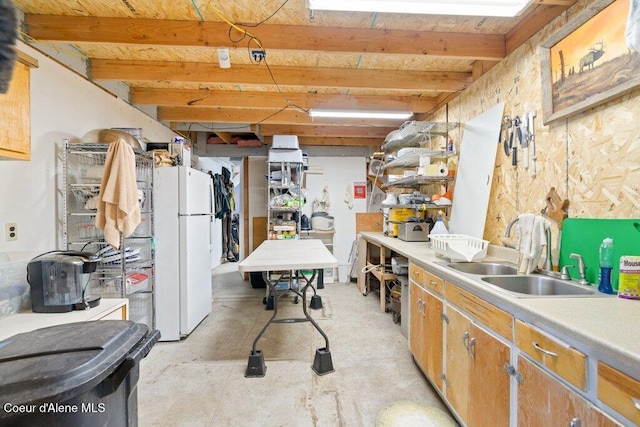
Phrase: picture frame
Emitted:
{"points": [[588, 62]]}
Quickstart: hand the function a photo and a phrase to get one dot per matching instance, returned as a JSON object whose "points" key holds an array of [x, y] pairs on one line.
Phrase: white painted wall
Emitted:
{"points": [[339, 173], [64, 105]]}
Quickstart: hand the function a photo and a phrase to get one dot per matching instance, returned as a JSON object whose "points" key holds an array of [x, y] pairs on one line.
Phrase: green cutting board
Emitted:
{"points": [[584, 236]]}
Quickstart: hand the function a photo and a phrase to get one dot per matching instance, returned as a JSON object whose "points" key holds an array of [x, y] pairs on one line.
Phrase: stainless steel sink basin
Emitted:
{"points": [[539, 286], [483, 268]]}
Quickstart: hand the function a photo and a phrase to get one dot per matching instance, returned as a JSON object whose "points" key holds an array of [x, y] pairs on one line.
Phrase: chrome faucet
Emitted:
{"points": [[507, 232], [581, 268]]}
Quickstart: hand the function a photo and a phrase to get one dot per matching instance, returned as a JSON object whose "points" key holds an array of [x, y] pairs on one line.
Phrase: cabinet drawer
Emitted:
{"points": [[433, 282], [559, 357], [415, 273], [495, 318], [619, 391]]}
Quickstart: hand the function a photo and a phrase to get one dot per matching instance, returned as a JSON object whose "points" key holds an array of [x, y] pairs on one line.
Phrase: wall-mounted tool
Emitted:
{"points": [[525, 140], [532, 142], [514, 147], [504, 131]]}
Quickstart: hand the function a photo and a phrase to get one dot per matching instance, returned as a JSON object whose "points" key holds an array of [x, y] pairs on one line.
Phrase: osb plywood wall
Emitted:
{"points": [[592, 159]]}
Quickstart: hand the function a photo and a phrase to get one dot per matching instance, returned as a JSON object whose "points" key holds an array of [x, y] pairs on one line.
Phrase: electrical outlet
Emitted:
{"points": [[11, 229], [258, 55]]}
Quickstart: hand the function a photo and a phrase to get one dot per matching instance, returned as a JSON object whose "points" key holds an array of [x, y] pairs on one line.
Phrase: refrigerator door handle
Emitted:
{"points": [[212, 199]]}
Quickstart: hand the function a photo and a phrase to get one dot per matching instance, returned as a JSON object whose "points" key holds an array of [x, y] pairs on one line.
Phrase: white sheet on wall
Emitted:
{"points": [[475, 173]]}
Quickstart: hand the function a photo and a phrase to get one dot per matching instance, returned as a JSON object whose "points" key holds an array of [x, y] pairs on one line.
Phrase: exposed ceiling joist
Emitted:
{"points": [[323, 141], [213, 98], [324, 131], [107, 69], [90, 29], [288, 116]]}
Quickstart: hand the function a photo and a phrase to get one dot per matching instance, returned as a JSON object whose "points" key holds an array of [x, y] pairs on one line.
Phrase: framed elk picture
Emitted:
{"points": [[592, 59]]}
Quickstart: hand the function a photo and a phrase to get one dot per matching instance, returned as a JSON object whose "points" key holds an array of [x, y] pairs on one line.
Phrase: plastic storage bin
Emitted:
{"points": [[14, 289], [91, 371]]}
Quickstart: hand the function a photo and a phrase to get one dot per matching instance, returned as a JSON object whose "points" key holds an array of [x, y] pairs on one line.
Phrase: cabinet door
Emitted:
{"points": [[416, 323], [15, 122], [545, 401], [457, 361], [433, 340], [488, 381]]}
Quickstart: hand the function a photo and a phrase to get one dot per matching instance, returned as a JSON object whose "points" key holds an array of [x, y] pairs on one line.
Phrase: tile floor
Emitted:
{"points": [[200, 380]]}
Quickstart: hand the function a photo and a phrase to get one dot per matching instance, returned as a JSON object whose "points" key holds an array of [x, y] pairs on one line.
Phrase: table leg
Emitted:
{"points": [[322, 363], [256, 367]]}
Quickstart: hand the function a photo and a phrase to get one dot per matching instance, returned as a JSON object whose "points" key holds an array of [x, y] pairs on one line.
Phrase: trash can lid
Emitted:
{"points": [[59, 362]]}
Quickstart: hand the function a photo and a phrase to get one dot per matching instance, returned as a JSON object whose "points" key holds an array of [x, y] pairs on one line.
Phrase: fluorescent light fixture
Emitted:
{"points": [[426, 7], [361, 114]]}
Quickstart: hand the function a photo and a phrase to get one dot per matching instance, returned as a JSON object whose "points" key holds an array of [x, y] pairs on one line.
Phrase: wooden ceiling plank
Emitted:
{"points": [[533, 23], [323, 131], [334, 141], [108, 69], [566, 3], [90, 29], [211, 98], [235, 115]]}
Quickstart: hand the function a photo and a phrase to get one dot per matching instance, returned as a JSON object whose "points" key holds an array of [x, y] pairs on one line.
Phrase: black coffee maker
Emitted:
{"points": [[58, 281]]}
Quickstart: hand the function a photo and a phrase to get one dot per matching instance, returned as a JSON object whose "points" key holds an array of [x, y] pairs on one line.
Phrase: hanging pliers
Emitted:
{"points": [[514, 149]]}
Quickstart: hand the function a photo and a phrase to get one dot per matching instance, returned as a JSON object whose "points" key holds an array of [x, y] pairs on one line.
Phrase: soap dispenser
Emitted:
{"points": [[606, 266]]}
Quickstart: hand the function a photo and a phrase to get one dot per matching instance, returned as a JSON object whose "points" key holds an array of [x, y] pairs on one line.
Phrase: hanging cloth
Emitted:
{"points": [[118, 205]]}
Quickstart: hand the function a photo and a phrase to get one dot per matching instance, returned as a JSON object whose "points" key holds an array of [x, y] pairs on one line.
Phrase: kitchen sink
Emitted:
{"points": [[483, 268], [539, 286]]}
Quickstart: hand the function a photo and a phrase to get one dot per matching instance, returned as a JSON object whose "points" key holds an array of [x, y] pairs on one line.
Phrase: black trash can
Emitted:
{"points": [[78, 374]]}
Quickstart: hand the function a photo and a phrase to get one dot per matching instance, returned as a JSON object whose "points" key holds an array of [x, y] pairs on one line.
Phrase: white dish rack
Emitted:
{"points": [[459, 247]]}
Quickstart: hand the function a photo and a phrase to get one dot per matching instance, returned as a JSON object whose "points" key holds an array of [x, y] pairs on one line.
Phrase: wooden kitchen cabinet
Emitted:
{"points": [[545, 401], [15, 112], [619, 391], [556, 356], [475, 377], [426, 332]]}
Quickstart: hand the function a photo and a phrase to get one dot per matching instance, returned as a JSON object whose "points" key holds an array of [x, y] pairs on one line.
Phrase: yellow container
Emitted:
{"points": [[397, 215]]}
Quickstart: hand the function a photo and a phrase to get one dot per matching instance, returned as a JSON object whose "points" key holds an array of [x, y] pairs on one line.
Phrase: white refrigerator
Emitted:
{"points": [[183, 203]]}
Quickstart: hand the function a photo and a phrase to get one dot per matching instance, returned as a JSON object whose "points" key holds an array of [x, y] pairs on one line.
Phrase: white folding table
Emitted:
{"points": [[287, 256]]}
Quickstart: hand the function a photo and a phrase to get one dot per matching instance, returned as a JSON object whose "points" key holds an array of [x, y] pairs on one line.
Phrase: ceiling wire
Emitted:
{"points": [[244, 33]]}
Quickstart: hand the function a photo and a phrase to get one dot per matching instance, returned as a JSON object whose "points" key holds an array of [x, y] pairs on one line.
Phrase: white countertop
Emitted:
{"points": [[275, 255], [607, 325], [27, 321]]}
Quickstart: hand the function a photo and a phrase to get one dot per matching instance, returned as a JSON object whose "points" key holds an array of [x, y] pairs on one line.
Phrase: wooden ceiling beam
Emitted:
{"points": [[534, 21], [334, 141], [237, 115], [213, 98], [323, 131], [91, 29], [113, 69]]}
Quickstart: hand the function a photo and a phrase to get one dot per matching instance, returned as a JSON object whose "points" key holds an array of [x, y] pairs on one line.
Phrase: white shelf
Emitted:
{"points": [[413, 158], [417, 180], [416, 133]]}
